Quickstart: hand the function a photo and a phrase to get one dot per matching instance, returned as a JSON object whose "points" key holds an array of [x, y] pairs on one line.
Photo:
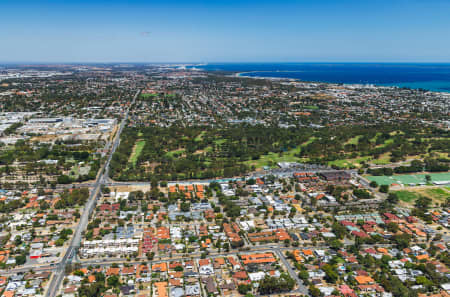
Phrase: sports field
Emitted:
{"points": [[407, 179]]}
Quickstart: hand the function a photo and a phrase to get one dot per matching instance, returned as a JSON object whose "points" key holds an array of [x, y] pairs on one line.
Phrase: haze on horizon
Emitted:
{"points": [[224, 31]]}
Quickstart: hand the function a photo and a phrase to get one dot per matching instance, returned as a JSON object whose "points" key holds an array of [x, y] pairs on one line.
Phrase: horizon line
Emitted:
{"points": [[219, 62]]}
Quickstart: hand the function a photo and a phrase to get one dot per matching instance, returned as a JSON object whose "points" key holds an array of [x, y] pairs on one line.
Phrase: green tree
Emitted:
{"points": [[244, 288], [21, 259], [384, 188], [113, 281], [185, 206]]}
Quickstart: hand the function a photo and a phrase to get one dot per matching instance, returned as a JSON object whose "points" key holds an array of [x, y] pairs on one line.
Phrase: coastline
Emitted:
{"points": [[398, 85], [243, 74]]}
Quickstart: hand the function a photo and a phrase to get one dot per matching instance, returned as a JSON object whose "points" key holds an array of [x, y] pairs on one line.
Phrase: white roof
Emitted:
{"points": [[446, 286]]}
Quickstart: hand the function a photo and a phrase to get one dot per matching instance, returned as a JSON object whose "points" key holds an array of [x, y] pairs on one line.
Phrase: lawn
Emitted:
{"points": [[200, 136], [373, 139], [137, 150], [387, 142], [312, 107], [340, 163], [407, 196], [439, 194], [178, 151], [311, 139], [219, 141], [354, 140], [78, 170], [148, 95], [436, 194]]}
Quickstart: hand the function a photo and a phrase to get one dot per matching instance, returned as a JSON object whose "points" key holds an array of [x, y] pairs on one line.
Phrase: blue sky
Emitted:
{"points": [[225, 31]]}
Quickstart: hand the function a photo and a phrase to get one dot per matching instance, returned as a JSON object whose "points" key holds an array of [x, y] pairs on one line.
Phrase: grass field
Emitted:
{"points": [[407, 196], [149, 95], [406, 179], [78, 170], [437, 195], [137, 150]]}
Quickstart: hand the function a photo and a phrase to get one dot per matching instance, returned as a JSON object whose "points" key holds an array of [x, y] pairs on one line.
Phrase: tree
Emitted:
{"points": [[339, 230], [303, 275], [244, 288], [401, 240], [361, 193], [422, 203], [393, 198], [315, 292], [336, 244], [17, 240], [384, 188], [422, 280], [44, 205], [21, 259], [113, 281], [64, 179], [78, 273], [331, 273], [270, 285], [92, 290], [392, 227], [185, 206]]}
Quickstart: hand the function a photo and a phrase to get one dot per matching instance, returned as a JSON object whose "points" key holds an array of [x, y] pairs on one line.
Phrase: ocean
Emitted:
{"points": [[433, 77]]}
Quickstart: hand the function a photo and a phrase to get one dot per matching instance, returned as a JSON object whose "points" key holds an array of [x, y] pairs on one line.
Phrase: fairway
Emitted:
{"points": [[272, 158], [172, 153], [407, 179], [139, 146], [149, 95]]}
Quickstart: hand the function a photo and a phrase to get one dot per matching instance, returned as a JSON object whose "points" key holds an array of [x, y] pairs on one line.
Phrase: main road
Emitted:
{"points": [[89, 207]]}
